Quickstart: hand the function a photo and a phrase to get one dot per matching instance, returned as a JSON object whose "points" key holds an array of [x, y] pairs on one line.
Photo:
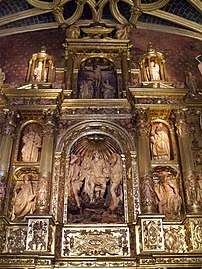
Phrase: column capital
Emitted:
{"points": [[11, 118], [141, 116], [179, 117], [50, 117]]}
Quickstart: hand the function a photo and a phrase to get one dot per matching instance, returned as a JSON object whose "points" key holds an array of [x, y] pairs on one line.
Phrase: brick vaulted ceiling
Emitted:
{"points": [[183, 17]]}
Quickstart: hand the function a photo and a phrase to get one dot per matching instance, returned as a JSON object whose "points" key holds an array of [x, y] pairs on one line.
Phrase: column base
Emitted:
{"points": [[149, 234], [40, 235]]}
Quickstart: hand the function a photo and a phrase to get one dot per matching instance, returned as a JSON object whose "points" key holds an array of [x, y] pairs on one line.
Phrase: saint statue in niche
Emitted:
{"points": [[160, 143], [107, 90], [31, 140], [153, 71], [94, 76], [86, 89], [40, 75], [2, 77], [168, 198], [24, 200], [95, 187]]}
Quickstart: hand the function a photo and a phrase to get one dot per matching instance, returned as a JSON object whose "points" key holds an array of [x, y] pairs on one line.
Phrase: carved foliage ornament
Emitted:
{"points": [[16, 240], [152, 232], [174, 239], [96, 242], [37, 238]]}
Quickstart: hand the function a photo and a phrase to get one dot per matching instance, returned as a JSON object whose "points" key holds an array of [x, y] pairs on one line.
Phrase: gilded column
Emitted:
{"points": [[6, 151], [45, 169], [187, 164], [144, 163], [69, 67], [125, 75]]}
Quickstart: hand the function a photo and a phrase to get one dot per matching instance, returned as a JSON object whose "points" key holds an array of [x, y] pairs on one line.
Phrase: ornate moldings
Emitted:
{"points": [[98, 264], [150, 234], [55, 185], [193, 233], [3, 232], [133, 172], [2, 192], [39, 235], [11, 118], [88, 242], [16, 241], [174, 238]]}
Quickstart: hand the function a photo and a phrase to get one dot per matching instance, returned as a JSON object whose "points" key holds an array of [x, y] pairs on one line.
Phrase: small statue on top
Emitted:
{"points": [[2, 77], [191, 83]]}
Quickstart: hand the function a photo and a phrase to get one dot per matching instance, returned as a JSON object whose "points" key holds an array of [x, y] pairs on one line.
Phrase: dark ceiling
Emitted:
{"points": [[182, 17]]}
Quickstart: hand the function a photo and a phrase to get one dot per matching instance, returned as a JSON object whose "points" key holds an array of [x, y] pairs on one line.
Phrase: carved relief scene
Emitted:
{"points": [[97, 79], [96, 181], [100, 140]]}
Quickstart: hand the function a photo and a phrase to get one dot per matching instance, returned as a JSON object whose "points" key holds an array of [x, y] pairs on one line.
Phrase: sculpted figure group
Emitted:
{"points": [[94, 173], [168, 198]]}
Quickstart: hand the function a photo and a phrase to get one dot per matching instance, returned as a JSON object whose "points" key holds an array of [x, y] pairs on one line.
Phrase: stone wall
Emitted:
{"points": [[180, 52]]}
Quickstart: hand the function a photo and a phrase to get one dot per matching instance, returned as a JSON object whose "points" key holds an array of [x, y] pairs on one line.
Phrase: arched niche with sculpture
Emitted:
{"points": [[30, 143], [97, 78], [41, 67], [22, 202], [161, 145], [153, 69], [168, 194], [95, 180]]}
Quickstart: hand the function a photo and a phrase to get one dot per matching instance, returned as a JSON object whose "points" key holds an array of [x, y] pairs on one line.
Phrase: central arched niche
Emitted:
{"points": [[72, 141], [95, 181]]}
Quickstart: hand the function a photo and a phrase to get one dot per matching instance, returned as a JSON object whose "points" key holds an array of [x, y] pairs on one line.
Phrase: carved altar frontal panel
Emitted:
{"points": [[149, 235], [37, 236], [96, 241]]}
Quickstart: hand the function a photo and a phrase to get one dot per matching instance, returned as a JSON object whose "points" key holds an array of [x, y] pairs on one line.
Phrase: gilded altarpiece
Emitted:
{"points": [[101, 173]]}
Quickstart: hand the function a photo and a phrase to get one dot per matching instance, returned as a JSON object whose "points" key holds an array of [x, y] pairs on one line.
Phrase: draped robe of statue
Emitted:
{"points": [[24, 202]]}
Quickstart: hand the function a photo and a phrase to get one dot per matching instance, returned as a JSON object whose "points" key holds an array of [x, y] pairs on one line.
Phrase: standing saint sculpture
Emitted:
{"points": [[86, 89], [155, 71], [32, 144], [2, 77], [99, 177], [107, 89], [40, 75], [24, 201], [116, 171], [160, 144], [74, 177], [169, 200]]}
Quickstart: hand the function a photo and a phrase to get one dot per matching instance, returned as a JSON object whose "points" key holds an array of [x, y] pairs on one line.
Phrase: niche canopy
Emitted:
{"points": [[153, 69], [40, 69]]}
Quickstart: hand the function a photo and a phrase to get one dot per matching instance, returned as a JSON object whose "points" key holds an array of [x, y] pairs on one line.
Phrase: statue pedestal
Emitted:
{"points": [[40, 234], [193, 233], [149, 234]]}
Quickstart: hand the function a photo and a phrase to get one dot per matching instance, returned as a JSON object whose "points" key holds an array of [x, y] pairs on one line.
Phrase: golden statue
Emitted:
{"points": [[40, 67]]}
